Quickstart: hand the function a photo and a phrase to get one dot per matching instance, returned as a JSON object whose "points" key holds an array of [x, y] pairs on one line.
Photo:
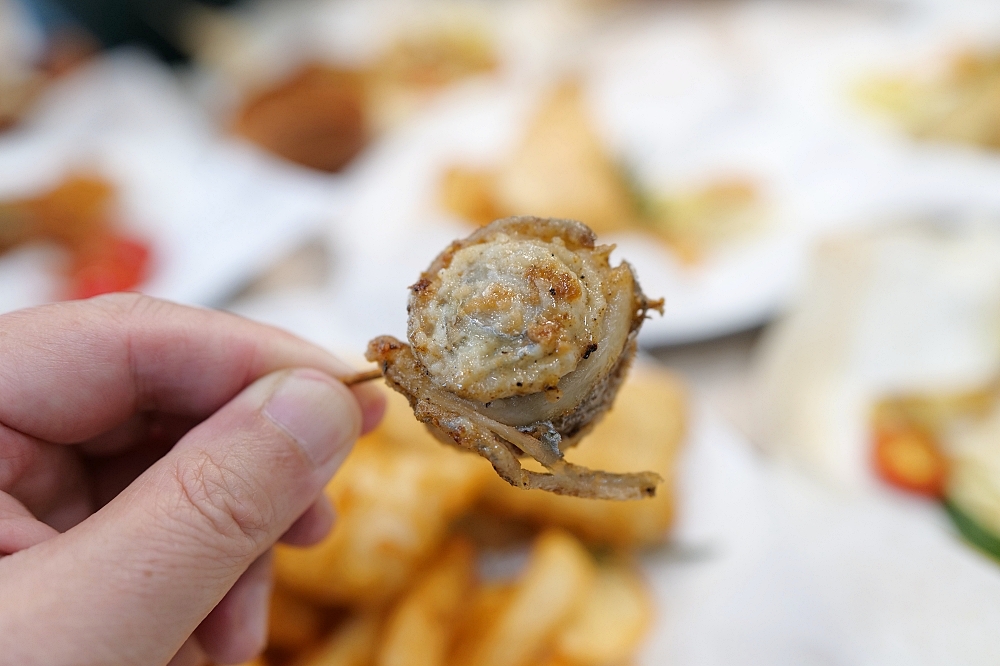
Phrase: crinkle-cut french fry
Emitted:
{"points": [[558, 576], [351, 644], [395, 496], [421, 628], [294, 624], [643, 430], [609, 623]]}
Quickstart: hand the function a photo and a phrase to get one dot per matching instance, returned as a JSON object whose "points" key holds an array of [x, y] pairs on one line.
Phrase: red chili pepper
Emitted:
{"points": [[908, 458], [112, 263]]}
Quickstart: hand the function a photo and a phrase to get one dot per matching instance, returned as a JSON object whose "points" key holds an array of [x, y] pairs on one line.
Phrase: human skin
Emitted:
{"points": [[150, 456]]}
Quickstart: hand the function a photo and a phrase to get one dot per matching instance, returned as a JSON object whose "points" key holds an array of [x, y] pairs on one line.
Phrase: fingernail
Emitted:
{"points": [[321, 417]]}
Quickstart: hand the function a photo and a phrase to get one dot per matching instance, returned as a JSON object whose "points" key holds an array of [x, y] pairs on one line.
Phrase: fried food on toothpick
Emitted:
{"points": [[520, 337], [643, 431], [398, 580]]}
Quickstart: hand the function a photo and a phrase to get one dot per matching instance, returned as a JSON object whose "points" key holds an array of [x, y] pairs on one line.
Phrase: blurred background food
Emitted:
{"points": [[812, 185], [435, 561], [886, 373], [316, 118], [79, 215], [955, 100], [561, 169], [323, 115]]}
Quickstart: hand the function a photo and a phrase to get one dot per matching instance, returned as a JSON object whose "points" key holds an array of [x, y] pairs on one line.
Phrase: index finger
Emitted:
{"points": [[74, 370]]}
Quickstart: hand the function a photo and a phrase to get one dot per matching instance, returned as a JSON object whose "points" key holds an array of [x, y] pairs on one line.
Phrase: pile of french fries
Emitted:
{"points": [[435, 561]]}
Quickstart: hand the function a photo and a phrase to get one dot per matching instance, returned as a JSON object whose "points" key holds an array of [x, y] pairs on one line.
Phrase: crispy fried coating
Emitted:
{"points": [[520, 337], [644, 430]]}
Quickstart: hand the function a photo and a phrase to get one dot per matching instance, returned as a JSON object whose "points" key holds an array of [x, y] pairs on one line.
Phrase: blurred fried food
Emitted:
{"points": [[395, 497], [692, 222], [563, 608], [437, 57], [609, 623], [419, 65], [469, 194], [643, 430], [959, 102], [399, 581], [524, 619], [16, 96], [24, 79], [322, 115], [295, 624], [68, 48], [79, 214], [353, 643], [421, 628], [77, 210], [316, 117], [562, 169]]}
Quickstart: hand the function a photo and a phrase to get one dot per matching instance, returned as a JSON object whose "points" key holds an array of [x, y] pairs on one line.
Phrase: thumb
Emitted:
{"points": [[133, 581]]}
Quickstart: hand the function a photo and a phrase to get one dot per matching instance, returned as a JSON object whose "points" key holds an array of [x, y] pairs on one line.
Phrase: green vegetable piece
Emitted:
{"points": [[974, 533]]}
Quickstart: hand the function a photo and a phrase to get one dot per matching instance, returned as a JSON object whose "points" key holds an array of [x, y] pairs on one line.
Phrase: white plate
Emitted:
{"points": [[911, 309], [675, 94], [812, 60], [795, 574], [215, 211], [396, 219]]}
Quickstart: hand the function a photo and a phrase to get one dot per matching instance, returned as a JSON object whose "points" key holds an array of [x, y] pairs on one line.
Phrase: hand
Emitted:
{"points": [[150, 456]]}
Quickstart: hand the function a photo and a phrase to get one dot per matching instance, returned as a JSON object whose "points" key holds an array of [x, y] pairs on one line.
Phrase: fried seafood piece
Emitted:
{"points": [[520, 336], [645, 430]]}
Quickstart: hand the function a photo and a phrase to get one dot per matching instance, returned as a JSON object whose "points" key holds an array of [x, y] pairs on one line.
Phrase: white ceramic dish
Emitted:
{"points": [[395, 219], [792, 573], [684, 96]]}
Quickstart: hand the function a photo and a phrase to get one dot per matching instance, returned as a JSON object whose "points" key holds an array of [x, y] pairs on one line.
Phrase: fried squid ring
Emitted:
{"points": [[519, 337]]}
